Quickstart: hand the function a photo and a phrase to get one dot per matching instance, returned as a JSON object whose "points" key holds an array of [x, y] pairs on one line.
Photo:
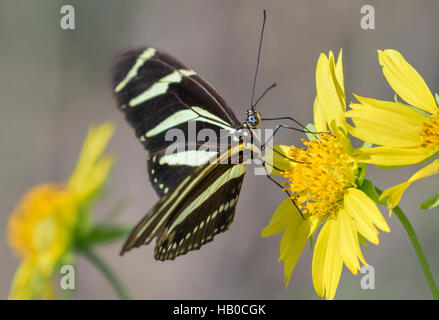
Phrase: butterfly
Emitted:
{"points": [[198, 197]]}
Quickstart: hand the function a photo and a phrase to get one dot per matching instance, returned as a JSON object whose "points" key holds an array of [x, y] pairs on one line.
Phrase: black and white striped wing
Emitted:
{"points": [[198, 199], [199, 207], [158, 93], [206, 212]]}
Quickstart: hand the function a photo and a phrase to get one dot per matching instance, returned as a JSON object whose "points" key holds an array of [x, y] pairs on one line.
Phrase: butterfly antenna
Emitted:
{"points": [[265, 92], [259, 58]]}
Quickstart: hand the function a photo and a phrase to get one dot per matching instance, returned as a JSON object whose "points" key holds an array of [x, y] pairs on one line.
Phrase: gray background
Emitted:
{"points": [[55, 83]]}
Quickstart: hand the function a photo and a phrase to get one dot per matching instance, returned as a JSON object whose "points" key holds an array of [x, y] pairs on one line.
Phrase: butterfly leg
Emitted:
{"points": [[303, 130], [276, 130], [264, 163]]}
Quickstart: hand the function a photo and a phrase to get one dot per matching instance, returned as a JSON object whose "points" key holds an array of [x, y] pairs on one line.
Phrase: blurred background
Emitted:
{"points": [[55, 83]]}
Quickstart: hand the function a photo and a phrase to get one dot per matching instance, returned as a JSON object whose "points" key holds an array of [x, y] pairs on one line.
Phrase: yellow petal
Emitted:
{"points": [[284, 215], [28, 283], [406, 113], [386, 123], [406, 81], [431, 169], [365, 130], [93, 147], [327, 263], [348, 245], [320, 120], [394, 194], [336, 74], [96, 178], [331, 99], [364, 211], [319, 116], [365, 226], [318, 261], [339, 71], [278, 158], [293, 241], [389, 156], [365, 215], [21, 288]]}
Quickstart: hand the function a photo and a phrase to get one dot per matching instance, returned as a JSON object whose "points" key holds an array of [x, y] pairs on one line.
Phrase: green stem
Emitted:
{"points": [[107, 272], [418, 249]]}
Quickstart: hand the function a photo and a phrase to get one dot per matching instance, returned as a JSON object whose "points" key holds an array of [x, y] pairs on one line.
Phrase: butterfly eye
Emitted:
{"points": [[253, 120]]}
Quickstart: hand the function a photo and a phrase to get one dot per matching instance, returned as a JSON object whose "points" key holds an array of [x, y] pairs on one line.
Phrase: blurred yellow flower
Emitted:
{"points": [[323, 183], [406, 133], [44, 226]]}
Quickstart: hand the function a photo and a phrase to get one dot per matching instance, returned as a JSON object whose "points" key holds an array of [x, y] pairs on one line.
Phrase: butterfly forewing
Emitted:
{"points": [[158, 93]]}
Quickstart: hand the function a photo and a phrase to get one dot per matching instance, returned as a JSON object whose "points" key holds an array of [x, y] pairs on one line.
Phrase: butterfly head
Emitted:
{"points": [[253, 118]]}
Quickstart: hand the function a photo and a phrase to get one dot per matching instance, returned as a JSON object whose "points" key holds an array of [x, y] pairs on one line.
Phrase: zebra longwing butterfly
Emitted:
{"points": [[157, 93]]}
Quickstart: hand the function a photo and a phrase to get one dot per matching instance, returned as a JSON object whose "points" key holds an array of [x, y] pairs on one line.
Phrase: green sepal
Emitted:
{"points": [[85, 217], [424, 113], [312, 128], [84, 224], [362, 168], [368, 188], [366, 145], [311, 243], [104, 234], [362, 240], [430, 203], [361, 174]]}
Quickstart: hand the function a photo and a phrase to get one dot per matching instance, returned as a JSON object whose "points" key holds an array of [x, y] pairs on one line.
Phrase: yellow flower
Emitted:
{"points": [[43, 226], [323, 183], [406, 133]]}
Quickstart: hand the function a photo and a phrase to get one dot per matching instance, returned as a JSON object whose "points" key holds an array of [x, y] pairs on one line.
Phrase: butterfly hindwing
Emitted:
{"points": [[164, 167], [175, 210], [204, 215], [156, 218]]}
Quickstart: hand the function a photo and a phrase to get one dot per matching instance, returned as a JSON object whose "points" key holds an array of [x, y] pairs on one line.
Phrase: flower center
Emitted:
{"points": [[44, 234], [320, 176], [430, 132], [35, 223]]}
